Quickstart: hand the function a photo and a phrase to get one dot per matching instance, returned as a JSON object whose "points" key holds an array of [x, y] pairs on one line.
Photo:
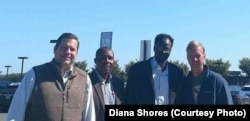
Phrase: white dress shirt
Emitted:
{"points": [[22, 95]]}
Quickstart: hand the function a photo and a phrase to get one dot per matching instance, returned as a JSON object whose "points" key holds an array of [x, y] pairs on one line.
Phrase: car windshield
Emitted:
{"points": [[245, 88], [4, 84], [234, 87], [235, 92]]}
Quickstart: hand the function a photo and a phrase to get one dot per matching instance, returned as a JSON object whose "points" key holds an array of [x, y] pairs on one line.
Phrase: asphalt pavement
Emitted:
{"points": [[3, 116]]}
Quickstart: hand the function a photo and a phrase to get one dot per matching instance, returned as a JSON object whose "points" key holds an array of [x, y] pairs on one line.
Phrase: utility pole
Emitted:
{"points": [[53, 41], [7, 66], [22, 66], [0, 74], [219, 63]]}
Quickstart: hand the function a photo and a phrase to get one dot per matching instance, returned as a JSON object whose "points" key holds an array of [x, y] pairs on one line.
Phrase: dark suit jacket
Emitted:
{"points": [[140, 85], [118, 86]]}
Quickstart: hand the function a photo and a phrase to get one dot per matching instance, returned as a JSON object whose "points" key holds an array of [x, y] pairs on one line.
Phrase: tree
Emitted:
{"points": [[127, 66], [117, 71], [14, 77], [82, 65], [245, 65], [182, 65], [219, 66]]}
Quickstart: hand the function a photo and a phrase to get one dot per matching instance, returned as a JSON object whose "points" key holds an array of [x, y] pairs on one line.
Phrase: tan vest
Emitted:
{"points": [[51, 101]]}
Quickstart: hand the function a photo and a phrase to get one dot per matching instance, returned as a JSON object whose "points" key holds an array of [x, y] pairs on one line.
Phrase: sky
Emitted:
{"points": [[27, 26]]}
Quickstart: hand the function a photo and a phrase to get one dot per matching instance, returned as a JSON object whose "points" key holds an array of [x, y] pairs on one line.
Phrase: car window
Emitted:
{"points": [[235, 92], [245, 88], [4, 84], [12, 87], [234, 87]]}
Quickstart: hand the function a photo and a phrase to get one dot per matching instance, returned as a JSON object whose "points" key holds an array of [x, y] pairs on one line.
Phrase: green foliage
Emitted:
{"points": [[14, 77], [222, 68], [182, 65], [127, 66], [219, 66], [117, 71], [82, 65], [245, 65]]}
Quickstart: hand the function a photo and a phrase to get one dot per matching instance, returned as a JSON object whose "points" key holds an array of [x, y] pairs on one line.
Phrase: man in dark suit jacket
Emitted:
{"points": [[155, 81], [107, 89]]}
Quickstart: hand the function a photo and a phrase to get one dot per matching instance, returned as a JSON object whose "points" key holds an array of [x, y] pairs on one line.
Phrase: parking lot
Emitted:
{"points": [[239, 95], [3, 115]]}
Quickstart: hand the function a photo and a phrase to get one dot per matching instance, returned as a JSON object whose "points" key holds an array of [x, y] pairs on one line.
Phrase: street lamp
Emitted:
{"points": [[53, 41], [219, 63], [22, 65], [7, 66]]}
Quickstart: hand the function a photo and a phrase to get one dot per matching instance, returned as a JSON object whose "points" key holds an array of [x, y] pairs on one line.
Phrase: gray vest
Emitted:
{"points": [[51, 100]]}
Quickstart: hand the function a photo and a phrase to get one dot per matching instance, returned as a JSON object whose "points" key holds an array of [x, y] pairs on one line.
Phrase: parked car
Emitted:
{"points": [[6, 95], [238, 96], [246, 89], [4, 84]]}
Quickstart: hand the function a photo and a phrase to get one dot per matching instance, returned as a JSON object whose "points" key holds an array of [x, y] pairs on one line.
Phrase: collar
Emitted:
{"points": [[102, 80], [156, 66], [68, 73], [205, 72], [70, 70]]}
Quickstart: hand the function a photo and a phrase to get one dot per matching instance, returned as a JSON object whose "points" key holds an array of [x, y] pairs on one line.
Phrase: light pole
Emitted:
{"points": [[53, 41], [7, 66], [22, 65], [219, 63]]}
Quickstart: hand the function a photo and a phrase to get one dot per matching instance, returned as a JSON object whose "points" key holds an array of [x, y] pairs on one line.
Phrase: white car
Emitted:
{"points": [[246, 89], [238, 96]]}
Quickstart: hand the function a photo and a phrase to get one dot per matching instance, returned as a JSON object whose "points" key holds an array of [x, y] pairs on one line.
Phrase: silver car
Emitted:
{"points": [[246, 89], [238, 96]]}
